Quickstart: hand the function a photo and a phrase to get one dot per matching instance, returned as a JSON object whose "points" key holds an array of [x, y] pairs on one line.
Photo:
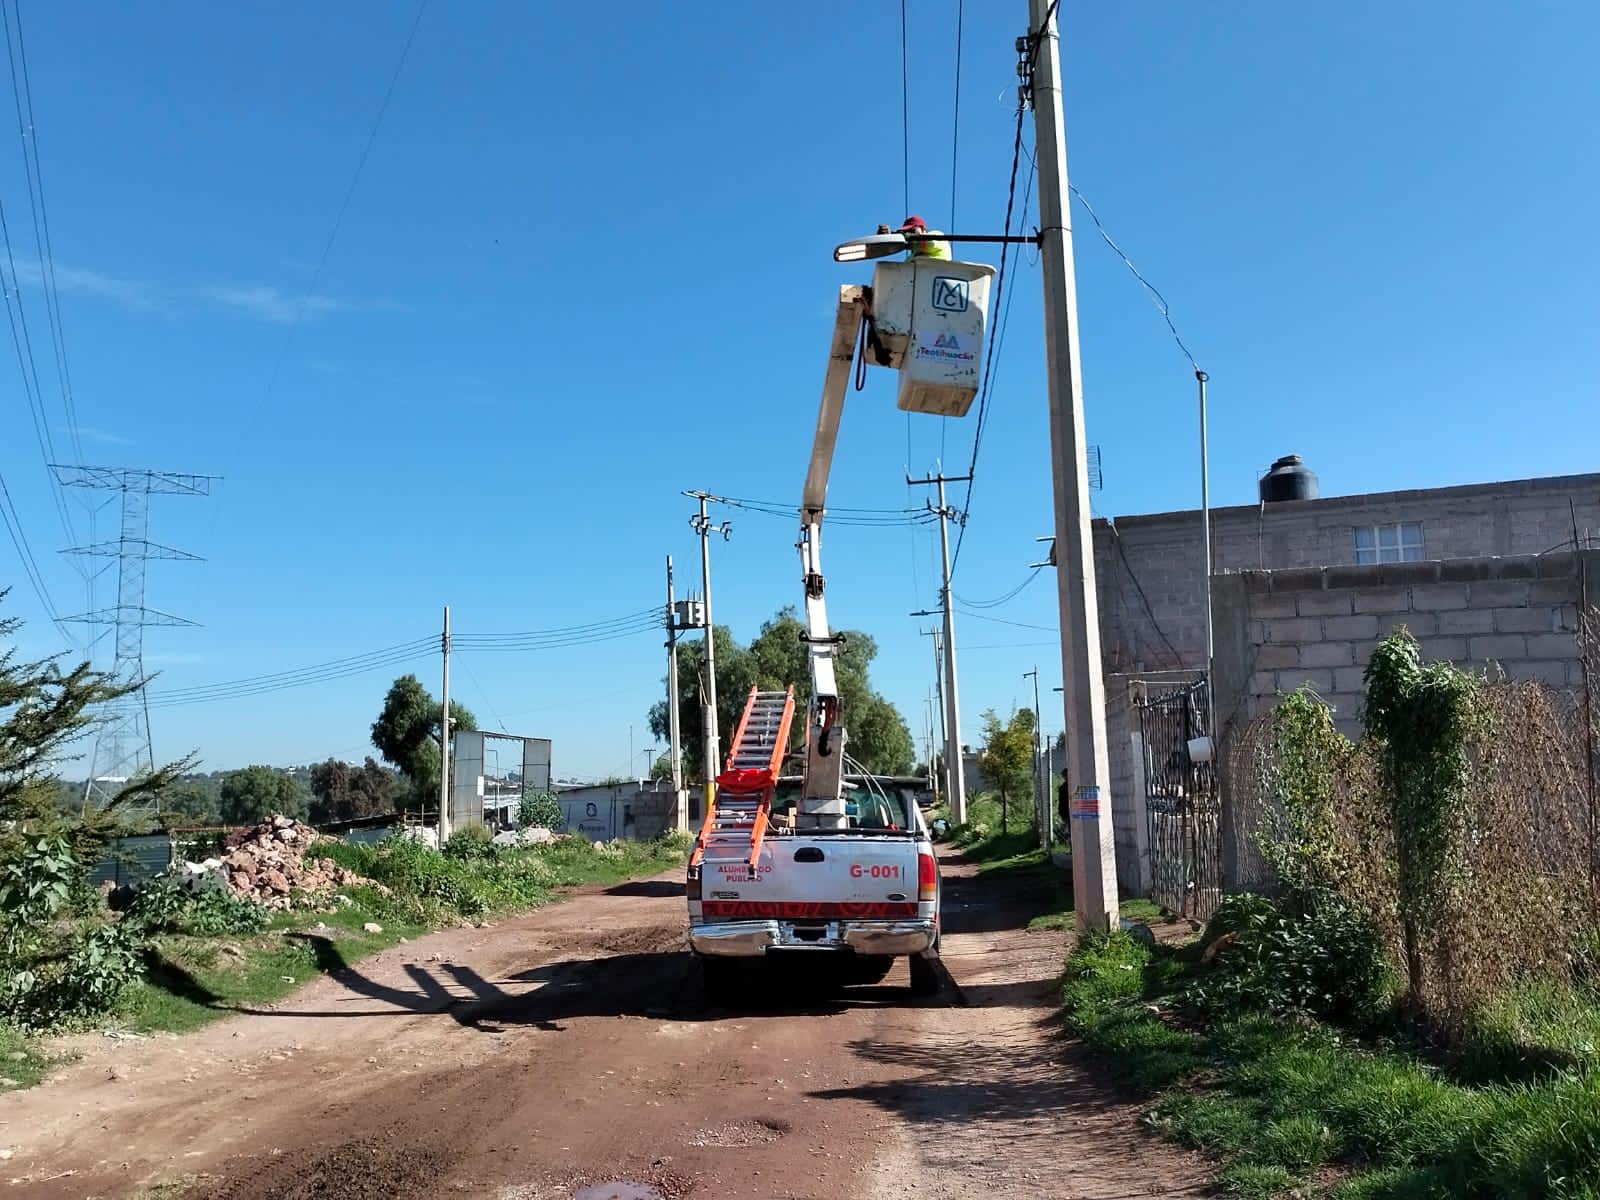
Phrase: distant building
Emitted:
{"points": [[630, 808]]}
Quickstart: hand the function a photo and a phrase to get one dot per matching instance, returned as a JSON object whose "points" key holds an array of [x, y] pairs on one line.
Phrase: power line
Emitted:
{"points": [[1002, 599], [955, 122], [1002, 621], [989, 356], [905, 111], [28, 132], [27, 365], [857, 517], [298, 673], [1177, 659], [30, 566], [350, 191], [390, 656], [1160, 300], [305, 678]]}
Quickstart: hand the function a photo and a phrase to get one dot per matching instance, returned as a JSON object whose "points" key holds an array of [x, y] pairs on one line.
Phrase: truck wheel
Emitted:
{"points": [[926, 979]]}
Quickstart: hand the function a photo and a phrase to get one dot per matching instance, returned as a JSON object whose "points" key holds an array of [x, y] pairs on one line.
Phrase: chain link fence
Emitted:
{"points": [[1528, 899]]}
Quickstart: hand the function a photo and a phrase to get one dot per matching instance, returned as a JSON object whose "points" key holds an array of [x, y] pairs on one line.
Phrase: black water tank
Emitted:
{"points": [[1289, 479]]}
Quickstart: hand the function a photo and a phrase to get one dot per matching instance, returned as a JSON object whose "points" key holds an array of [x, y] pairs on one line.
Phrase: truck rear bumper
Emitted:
{"points": [[751, 939]]}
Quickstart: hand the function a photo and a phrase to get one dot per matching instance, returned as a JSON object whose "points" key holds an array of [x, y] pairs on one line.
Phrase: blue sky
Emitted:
{"points": [[587, 264]]}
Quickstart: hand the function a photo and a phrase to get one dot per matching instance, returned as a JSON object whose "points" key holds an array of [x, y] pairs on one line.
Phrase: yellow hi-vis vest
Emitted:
{"points": [[931, 249]]}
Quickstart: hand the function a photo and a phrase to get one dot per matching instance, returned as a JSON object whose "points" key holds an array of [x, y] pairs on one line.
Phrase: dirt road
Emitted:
{"points": [[549, 1057]]}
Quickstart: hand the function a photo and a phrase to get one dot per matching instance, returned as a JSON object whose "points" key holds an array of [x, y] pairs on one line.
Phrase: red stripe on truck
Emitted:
{"points": [[802, 909]]}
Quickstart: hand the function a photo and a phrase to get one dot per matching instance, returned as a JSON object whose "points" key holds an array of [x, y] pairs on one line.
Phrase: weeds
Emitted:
{"points": [[21, 1065], [164, 906], [1274, 1101], [1328, 963]]}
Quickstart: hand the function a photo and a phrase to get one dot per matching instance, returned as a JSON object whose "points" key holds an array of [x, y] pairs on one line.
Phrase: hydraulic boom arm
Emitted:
{"points": [[822, 803]]}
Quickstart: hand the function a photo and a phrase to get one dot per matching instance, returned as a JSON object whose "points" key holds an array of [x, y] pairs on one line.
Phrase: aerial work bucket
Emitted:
{"points": [[931, 316]]}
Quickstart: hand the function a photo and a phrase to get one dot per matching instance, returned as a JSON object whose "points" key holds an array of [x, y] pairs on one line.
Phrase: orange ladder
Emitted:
{"points": [[736, 824]]}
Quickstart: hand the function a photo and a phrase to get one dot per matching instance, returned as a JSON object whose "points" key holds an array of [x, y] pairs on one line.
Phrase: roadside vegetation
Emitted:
{"points": [[195, 976], [181, 951], [176, 958], [1371, 1029]]}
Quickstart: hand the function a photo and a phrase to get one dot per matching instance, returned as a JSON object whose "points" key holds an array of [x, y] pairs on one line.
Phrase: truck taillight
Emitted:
{"points": [[691, 885], [927, 878]]}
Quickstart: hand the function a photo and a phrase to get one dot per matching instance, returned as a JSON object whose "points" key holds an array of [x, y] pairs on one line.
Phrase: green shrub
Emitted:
{"points": [[35, 884], [469, 843], [86, 980], [675, 841], [540, 809], [1329, 963], [163, 906]]}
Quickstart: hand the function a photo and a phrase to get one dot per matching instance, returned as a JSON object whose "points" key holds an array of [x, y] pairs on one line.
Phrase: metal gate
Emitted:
{"points": [[1181, 798]]}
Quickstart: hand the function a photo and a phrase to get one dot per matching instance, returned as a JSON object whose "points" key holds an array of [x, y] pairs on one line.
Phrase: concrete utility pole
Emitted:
{"points": [[942, 723], [680, 810], [1041, 806], [1094, 859], [701, 523], [954, 766], [444, 736]]}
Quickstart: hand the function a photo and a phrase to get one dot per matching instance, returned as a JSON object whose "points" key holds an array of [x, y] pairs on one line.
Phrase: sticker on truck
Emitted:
{"points": [[877, 871]]}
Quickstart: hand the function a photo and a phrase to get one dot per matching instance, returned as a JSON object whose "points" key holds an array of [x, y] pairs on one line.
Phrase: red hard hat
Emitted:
{"points": [[916, 223]]}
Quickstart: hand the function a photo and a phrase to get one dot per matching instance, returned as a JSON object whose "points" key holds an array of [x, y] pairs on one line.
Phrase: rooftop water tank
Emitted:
{"points": [[1289, 479]]}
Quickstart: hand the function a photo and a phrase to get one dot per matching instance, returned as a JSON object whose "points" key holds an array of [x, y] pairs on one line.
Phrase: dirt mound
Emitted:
{"points": [[267, 863]]}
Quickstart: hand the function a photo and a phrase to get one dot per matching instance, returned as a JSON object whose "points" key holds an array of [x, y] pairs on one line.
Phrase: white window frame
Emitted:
{"points": [[1394, 541]]}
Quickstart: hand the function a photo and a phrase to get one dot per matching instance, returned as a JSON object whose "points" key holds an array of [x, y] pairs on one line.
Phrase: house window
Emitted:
{"points": [[1400, 542]]}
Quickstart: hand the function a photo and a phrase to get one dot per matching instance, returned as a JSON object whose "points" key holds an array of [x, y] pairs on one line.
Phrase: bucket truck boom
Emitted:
{"points": [[821, 800]]}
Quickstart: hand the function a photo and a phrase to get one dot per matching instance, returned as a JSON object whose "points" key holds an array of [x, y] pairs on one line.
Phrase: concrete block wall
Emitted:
{"points": [[1149, 569], [1280, 630]]}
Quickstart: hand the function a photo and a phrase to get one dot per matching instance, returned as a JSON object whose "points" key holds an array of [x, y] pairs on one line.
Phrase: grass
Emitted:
{"points": [[1065, 918], [21, 1064], [1275, 1102], [190, 981]]}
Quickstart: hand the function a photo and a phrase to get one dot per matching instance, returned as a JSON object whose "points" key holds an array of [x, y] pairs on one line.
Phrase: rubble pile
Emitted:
{"points": [[267, 863]]}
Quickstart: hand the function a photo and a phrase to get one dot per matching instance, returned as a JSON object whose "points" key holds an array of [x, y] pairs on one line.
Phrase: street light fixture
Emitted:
{"points": [[882, 245]]}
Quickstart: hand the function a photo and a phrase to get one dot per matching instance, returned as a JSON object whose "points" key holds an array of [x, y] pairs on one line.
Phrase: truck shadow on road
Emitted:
{"points": [[660, 984]]}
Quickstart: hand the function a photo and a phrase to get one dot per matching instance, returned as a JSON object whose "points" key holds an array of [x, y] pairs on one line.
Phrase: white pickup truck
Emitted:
{"points": [[838, 865], [866, 893]]}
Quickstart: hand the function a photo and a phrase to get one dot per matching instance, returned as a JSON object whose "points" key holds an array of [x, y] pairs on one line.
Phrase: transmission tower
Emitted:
{"points": [[122, 741]]}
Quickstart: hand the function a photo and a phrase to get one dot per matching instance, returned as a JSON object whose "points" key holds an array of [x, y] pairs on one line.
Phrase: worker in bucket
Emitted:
{"points": [[929, 249]]}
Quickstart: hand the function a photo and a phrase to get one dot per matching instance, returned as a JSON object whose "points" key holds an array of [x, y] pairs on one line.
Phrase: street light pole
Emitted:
{"points": [[701, 522], [680, 809], [444, 735], [1040, 807], [1094, 860]]}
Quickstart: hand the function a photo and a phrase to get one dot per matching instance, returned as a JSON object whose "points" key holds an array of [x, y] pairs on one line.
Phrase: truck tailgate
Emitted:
{"points": [[838, 875]]}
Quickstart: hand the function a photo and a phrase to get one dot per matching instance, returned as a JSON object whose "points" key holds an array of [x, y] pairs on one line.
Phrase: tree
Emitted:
{"points": [[193, 800], [776, 658], [345, 792], [43, 710], [406, 733], [257, 792], [1007, 757]]}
